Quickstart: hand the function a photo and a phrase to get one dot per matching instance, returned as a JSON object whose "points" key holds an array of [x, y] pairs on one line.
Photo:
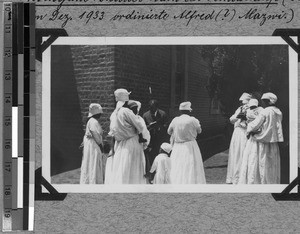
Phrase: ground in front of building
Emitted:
{"points": [[215, 171]]}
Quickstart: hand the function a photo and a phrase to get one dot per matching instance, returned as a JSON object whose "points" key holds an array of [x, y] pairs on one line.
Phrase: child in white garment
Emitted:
{"points": [[162, 165]]}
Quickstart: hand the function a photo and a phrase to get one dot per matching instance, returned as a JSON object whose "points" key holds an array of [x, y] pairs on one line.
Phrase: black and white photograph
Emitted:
{"points": [[169, 114]]}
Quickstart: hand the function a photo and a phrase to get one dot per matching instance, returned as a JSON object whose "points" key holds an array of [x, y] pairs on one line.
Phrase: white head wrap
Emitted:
{"points": [[253, 102], [245, 98], [166, 147], [270, 96], [139, 106], [122, 95], [185, 106]]}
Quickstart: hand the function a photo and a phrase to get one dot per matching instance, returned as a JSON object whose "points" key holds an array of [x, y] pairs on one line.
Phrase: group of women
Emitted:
{"points": [[125, 162], [254, 156]]}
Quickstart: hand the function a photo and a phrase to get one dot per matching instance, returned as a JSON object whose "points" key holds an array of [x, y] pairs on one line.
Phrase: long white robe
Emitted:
{"points": [[109, 168], [269, 120], [129, 160], [110, 159], [249, 172], [237, 146], [92, 160], [186, 159], [162, 166]]}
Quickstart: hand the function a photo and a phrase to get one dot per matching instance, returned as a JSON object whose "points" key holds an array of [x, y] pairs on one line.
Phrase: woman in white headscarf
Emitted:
{"points": [[249, 166], [186, 159], [238, 140], [121, 96], [128, 165], [267, 150], [91, 166]]}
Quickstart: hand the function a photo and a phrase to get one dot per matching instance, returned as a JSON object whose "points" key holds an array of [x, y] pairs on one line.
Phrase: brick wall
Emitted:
{"points": [[94, 74], [99, 70], [140, 67], [80, 75]]}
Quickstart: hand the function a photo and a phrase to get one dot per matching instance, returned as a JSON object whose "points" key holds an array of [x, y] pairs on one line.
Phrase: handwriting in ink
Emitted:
{"points": [[221, 15], [136, 15], [57, 15], [92, 15], [187, 16], [191, 15], [263, 17], [40, 17]]}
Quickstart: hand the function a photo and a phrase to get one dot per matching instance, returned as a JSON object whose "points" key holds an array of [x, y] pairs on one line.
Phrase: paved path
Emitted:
{"points": [[215, 171], [216, 168]]}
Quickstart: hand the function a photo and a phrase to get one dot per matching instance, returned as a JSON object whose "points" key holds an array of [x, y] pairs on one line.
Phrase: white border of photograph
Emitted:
{"points": [[198, 188]]}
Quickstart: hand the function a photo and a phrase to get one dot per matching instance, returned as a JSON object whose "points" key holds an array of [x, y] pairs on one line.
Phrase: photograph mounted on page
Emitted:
{"points": [[169, 114]]}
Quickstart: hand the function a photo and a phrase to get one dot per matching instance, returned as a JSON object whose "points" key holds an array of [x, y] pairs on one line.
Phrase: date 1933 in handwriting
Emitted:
{"points": [[92, 15]]}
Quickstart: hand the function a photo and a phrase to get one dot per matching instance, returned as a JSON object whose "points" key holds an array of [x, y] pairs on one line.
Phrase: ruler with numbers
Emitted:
{"points": [[18, 140], [7, 129]]}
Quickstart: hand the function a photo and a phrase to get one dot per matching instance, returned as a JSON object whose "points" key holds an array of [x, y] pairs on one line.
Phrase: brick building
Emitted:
{"points": [[85, 74]]}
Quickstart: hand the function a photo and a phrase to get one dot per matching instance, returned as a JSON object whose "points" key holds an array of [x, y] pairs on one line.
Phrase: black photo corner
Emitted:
{"points": [[40, 181], [285, 195]]}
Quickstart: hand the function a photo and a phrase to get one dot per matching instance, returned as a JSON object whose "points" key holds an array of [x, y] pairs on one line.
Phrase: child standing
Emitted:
{"points": [[162, 165], [92, 163]]}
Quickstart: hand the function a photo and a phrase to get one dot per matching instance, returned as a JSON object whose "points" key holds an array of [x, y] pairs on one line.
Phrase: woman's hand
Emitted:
{"points": [[88, 135], [250, 134]]}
